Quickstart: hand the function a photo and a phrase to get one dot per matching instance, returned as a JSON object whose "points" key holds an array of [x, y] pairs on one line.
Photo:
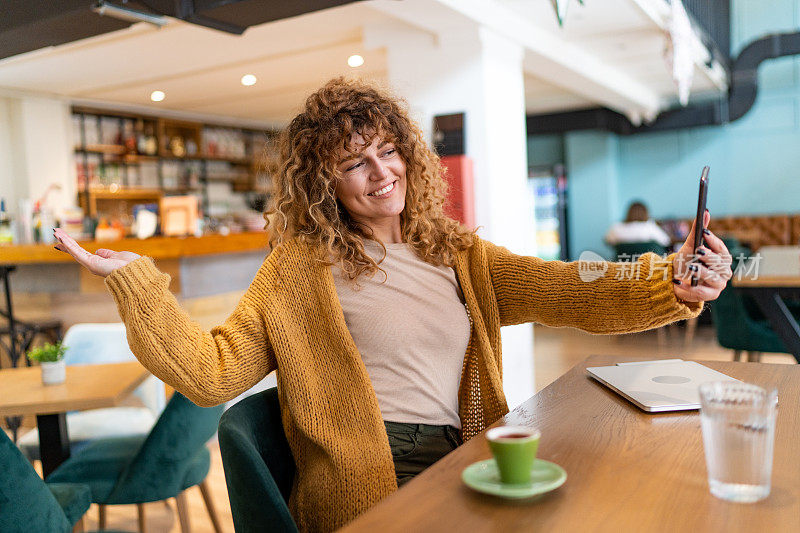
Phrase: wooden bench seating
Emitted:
{"points": [[753, 230]]}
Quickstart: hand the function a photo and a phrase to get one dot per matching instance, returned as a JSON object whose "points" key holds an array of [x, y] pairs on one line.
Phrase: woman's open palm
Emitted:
{"points": [[101, 263]]}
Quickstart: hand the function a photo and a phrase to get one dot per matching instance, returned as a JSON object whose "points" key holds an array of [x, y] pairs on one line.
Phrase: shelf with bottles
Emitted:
{"points": [[112, 149], [138, 158], [94, 172], [133, 140], [178, 138], [110, 193], [100, 201], [127, 152], [114, 133]]}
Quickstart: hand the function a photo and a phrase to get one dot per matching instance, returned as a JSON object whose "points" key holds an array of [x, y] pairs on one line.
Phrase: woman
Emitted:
{"points": [[381, 316], [637, 227]]}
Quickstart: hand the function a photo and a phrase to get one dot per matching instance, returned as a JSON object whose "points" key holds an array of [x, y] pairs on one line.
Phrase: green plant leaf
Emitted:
{"points": [[49, 353]]}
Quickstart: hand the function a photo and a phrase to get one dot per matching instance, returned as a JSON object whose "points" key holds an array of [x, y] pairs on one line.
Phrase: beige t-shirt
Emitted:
{"points": [[412, 332]]}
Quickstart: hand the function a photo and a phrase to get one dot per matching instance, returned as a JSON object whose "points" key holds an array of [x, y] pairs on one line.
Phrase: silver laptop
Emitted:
{"points": [[657, 386]]}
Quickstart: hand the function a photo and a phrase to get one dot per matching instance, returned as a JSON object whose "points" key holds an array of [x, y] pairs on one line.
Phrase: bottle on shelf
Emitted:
{"points": [[37, 222], [116, 136], [25, 222], [6, 231], [150, 141], [141, 138], [176, 146], [191, 147], [129, 137], [43, 224]]}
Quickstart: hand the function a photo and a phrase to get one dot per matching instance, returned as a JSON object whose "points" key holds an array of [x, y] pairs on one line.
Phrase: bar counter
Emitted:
{"points": [[155, 247], [208, 276]]}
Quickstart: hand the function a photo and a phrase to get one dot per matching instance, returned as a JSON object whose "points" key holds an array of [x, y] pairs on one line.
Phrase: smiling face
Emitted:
{"points": [[372, 185]]}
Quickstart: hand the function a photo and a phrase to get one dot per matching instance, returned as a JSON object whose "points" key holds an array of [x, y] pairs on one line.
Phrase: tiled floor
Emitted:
{"points": [[556, 351]]}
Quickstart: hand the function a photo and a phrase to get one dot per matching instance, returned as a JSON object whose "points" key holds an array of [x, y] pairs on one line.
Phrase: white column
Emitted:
{"points": [[477, 72], [11, 168], [36, 150]]}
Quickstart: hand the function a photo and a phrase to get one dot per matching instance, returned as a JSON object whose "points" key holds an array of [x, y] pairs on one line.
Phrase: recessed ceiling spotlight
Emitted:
{"points": [[355, 60], [249, 79], [157, 96]]}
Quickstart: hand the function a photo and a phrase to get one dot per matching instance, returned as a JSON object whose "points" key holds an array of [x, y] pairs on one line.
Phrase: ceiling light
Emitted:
{"points": [[355, 60], [249, 79], [157, 96], [131, 15]]}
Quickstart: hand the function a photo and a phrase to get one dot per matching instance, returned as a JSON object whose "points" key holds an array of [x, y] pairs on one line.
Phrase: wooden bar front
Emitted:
{"points": [[155, 247]]}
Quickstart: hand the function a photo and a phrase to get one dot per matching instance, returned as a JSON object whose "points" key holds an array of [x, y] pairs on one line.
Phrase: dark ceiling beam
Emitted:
{"points": [[255, 12], [214, 24], [16, 13], [235, 16], [739, 100], [27, 25]]}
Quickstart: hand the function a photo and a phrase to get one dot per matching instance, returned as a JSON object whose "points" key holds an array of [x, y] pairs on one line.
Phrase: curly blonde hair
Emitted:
{"points": [[304, 203]]}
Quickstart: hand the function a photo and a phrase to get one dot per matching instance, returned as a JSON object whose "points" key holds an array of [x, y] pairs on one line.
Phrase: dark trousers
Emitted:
{"points": [[415, 447]]}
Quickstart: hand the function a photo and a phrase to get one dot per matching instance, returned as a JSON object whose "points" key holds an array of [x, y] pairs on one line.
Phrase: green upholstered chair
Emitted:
{"points": [[258, 463], [139, 469], [29, 504], [627, 250], [741, 328], [739, 323]]}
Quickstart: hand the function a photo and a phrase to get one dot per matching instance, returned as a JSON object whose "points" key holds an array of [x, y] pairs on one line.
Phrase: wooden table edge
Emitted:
{"points": [[83, 405], [367, 519], [767, 282]]}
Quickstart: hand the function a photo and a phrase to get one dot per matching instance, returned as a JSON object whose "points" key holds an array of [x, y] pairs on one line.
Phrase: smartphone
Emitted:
{"points": [[701, 211]]}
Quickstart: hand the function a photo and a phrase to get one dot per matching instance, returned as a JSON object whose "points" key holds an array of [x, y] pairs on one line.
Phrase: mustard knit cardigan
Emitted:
{"points": [[290, 319]]}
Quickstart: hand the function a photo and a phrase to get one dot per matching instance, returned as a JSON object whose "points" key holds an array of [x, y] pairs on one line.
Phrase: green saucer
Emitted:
{"points": [[484, 476]]}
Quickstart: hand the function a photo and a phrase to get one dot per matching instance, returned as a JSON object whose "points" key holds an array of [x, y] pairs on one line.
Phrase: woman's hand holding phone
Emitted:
{"points": [[710, 264], [101, 263]]}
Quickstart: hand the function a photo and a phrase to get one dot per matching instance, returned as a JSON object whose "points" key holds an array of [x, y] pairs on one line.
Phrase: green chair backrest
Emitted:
{"points": [[159, 469], [730, 319], [625, 250], [26, 504], [738, 328], [729, 312], [258, 463]]}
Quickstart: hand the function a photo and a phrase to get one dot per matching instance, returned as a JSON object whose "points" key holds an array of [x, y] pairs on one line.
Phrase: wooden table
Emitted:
{"points": [[770, 293], [627, 470], [86, 387]]}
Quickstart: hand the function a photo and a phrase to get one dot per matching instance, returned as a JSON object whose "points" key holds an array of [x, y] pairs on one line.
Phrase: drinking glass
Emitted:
{"points": [[738, 421]]}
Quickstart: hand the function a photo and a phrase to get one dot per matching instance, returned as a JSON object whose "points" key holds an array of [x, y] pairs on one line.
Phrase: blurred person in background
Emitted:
{"points": [[637, 227]]}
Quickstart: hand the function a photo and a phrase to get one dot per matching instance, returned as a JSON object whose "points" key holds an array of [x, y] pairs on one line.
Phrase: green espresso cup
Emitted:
{"points": [[514, 449]]}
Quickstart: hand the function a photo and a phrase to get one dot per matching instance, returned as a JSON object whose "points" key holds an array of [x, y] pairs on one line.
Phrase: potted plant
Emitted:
{"points": [[51, 357]]}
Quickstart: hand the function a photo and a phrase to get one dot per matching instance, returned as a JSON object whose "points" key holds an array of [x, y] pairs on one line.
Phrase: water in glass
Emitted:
{"points": [[738, 423]]}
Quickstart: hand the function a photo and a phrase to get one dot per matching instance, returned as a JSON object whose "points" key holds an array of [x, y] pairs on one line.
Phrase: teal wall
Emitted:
{"points": [[593, 193], [545, 150], [755, 161]]}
